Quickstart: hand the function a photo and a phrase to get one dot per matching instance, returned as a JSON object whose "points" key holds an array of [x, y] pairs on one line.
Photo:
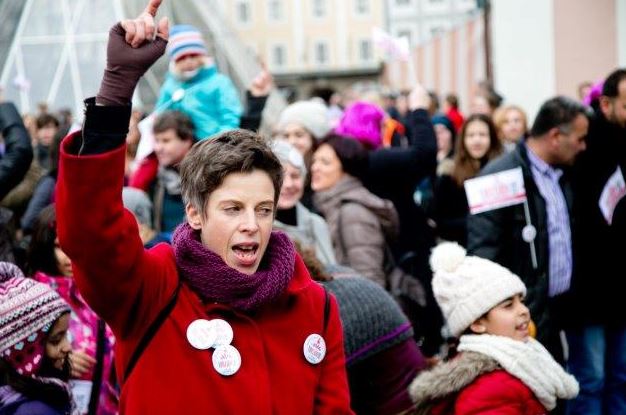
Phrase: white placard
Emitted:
{"points": [[495, 191], [146, 142], [614, 190]]}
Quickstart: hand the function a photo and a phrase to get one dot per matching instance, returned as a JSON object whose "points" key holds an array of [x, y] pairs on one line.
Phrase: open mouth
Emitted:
{"points": [[246, 253], [522, 327]]}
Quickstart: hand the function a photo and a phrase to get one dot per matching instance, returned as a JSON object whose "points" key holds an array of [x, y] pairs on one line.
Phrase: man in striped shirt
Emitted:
{"points": [[509, 235]]}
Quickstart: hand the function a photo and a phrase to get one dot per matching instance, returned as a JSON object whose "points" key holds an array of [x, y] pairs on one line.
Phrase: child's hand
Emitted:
{"points": [[134, 45], [81, 364], [263, 83]]}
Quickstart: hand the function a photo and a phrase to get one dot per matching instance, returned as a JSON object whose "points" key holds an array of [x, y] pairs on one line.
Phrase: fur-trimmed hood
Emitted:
{"points": [[447, 379]]}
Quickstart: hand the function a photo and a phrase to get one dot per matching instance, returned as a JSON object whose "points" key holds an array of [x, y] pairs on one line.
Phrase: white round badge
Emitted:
{"points": [[314, 349], [223, 332], [200, 334], [178, 95], [226, 360], [529, 233]]}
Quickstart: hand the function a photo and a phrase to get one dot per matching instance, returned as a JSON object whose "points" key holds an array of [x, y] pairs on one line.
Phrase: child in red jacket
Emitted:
{"points": [[501, 369]]}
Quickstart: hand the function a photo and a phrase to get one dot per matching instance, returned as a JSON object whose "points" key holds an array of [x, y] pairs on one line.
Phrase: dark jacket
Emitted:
{"points": [[600, 272], [395, 172], [497, 236], [450, 210], [381, 356], [18, 151]]}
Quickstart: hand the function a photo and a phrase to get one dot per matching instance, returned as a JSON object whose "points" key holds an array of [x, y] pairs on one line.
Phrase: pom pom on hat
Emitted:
{"points": [[447, 257], [467, 287], [185, 40]]}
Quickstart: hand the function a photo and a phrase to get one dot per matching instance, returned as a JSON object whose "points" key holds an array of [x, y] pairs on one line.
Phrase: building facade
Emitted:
{"points": [[309, 40], [542, 48], [421, 20]]}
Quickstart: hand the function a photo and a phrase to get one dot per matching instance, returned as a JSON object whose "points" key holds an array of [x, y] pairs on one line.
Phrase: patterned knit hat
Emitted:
{"points": [[185, 40], [28, 309], [467, 287]]}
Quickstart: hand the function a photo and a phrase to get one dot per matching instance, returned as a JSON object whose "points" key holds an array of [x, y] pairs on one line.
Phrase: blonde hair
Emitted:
{"points": [[499, 117]]}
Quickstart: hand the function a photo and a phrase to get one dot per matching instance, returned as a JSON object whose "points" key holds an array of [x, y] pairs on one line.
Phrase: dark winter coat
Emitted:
{"points": [[18, 151], [599, 264], [497, 236]]}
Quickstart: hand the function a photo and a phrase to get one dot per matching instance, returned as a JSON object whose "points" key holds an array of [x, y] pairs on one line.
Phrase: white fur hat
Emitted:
{"points": [[467, 287], [311, 114]]}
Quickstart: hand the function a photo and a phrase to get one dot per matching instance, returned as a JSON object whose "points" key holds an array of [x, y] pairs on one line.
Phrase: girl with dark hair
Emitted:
{"points": [[92, 341], [34, 350], [478, 143], [360, 223]]}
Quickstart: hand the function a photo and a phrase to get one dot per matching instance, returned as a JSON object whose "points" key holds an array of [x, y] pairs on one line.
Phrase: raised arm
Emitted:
{"points": [[256, 98], [420, 159], [98, 234]]}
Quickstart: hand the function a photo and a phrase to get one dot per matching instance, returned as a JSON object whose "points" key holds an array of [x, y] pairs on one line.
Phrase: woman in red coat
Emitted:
{"points": [[227, 319], [501, 370]]}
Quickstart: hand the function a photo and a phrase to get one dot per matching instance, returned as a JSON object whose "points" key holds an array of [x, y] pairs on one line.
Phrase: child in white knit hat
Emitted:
{"points": [[501, 369]]}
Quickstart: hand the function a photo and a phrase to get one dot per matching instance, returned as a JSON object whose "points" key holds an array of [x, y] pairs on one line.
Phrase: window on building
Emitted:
{"points": [[365, 50], [319, 8], [243, 11], [275, 10], [321, 53], [279, 56], [362, 6], [436, 30]]}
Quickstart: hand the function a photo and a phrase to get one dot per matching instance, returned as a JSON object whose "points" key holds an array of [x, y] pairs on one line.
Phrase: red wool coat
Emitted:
{"points": [[498, 393], [128, 286], [472, 384]]}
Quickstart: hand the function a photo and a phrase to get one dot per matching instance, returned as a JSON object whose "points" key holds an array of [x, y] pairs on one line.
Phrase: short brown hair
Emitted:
{"points": [[208, 163], [43, 120], [177, 121]]}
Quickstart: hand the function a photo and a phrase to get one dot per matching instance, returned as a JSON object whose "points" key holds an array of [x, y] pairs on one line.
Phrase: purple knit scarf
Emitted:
{"points": [[209, 276]]}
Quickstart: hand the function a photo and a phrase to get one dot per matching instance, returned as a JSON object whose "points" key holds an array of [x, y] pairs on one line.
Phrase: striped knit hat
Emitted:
{"points": [[185, 40], [28, 309]]}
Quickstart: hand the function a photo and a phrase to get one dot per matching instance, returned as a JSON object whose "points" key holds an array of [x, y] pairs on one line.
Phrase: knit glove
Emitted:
{"points": [[130, 52]]}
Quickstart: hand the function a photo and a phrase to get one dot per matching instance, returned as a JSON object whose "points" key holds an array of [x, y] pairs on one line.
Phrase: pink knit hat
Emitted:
{"points": [[28, 309], [363, 121]]}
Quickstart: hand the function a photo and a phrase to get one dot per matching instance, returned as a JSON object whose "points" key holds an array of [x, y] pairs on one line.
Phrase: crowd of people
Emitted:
{"points": [[331, 268]]}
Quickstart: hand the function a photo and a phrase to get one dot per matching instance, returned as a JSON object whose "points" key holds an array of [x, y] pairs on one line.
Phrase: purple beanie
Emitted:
{"points": [[363, 121]]}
